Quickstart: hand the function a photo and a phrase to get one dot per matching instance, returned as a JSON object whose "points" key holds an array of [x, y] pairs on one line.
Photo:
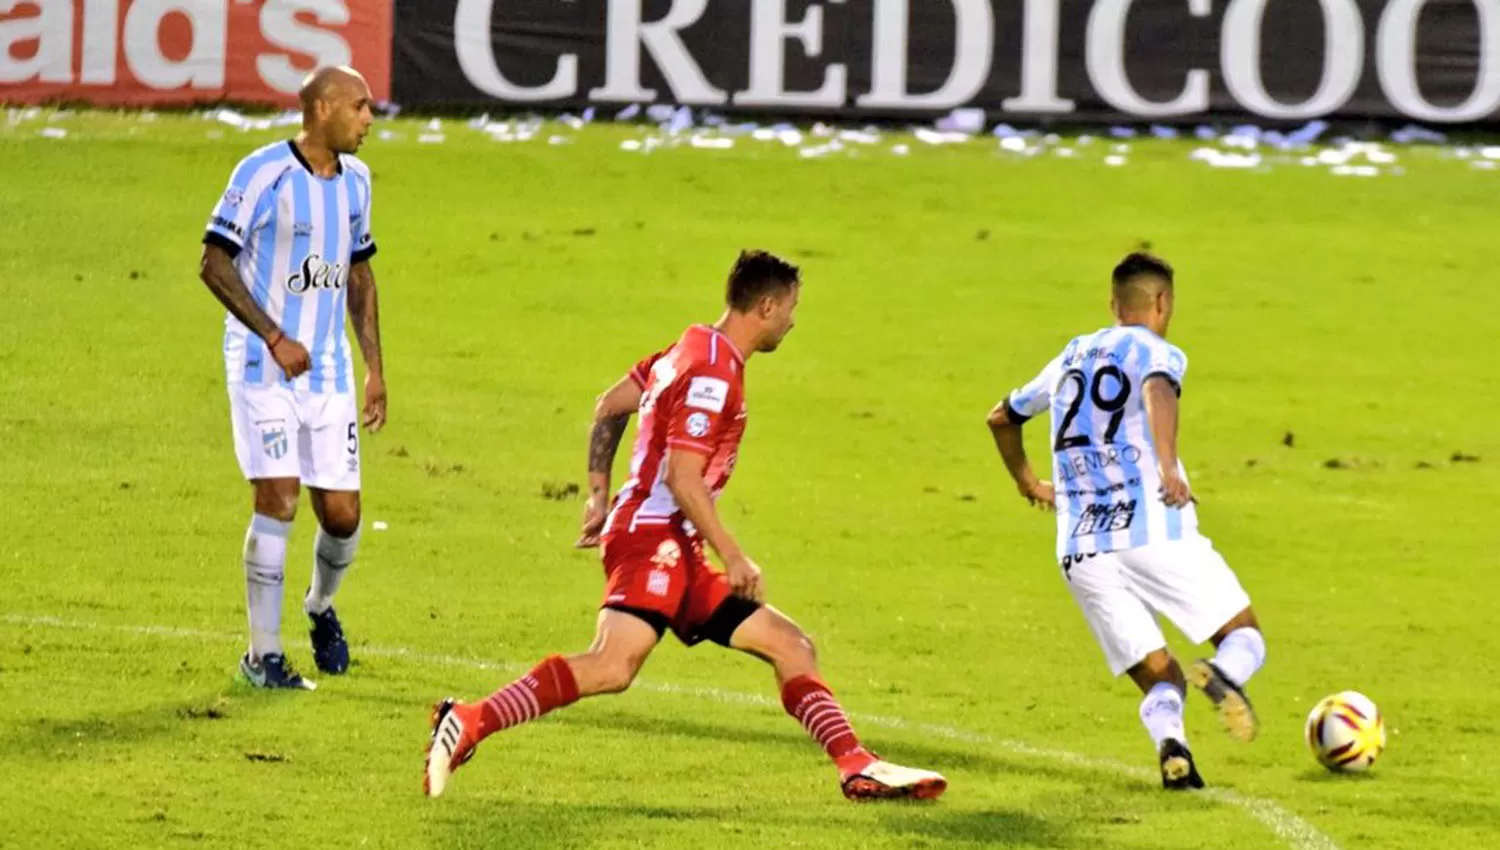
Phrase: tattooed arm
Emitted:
{"points": [[218, 273], [611, 416], [364, 309]]}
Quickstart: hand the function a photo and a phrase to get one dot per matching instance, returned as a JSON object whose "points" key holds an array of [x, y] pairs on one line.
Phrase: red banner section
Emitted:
{"points": [[157, 52]]}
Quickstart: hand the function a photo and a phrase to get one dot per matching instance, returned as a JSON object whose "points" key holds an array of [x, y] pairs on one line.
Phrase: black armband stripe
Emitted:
{"points": [[218, 239], [1015, 416], [1176, 387]]}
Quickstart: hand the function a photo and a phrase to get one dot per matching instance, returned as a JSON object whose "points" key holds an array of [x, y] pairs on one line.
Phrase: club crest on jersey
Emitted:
{"points": [[697, 424], [317, 274], [274, 441]]}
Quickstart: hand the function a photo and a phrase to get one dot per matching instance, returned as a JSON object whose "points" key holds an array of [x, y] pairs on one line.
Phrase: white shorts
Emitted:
{"points": [[286, 433], [1121, 593]]}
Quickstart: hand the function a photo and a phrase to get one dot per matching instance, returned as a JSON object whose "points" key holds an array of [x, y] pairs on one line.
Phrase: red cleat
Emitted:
{"points": [[867, 777]]}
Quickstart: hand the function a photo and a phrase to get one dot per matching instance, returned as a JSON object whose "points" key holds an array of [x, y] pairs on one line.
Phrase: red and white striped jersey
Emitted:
{"points": [[693, 400]]}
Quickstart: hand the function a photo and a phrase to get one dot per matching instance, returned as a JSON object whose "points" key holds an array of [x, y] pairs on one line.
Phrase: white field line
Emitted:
{"points": [[1295, 832]]}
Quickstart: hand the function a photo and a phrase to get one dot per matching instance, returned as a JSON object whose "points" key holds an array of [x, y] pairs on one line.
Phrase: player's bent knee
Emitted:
{"points": [[341, 525], [339, 513], [276, 499], [1157, 666], [790, 649], [801, 648], [616, 675]]}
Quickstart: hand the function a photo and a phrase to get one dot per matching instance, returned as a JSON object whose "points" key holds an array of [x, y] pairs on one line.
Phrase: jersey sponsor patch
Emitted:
{"points": [[697, 424], [708, 393], [1105, 519]]}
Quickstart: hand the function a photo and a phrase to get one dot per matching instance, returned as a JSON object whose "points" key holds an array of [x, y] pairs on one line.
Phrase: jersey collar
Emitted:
{"points": [[726, 341], [338, 161]]}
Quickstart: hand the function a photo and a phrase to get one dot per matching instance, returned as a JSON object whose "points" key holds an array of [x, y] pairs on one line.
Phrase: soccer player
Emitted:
{"points": [[691, 398], [1127, 529], [288, 244]]}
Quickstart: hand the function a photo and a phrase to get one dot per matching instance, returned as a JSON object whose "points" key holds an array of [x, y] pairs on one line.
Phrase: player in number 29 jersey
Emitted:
{"points": [[1127, 528], [691, 400], [1103, 461]]}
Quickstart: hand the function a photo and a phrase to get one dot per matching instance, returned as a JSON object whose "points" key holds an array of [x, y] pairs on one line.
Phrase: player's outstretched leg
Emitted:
{"points": [[621, 645], [338, 514], [1160, 677], [265, 664], [770, 635], [1241, 652]]}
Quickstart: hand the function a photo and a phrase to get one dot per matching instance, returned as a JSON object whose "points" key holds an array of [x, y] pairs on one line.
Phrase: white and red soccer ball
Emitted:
{"points": [[1346, 732]]}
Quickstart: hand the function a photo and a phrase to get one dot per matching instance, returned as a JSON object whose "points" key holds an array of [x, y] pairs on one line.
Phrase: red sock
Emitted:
{"points": [[549, 685], [812, 704]]}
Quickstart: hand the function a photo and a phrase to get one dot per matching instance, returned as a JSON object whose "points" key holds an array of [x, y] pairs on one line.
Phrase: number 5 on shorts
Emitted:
{"points": [[353, 438]]}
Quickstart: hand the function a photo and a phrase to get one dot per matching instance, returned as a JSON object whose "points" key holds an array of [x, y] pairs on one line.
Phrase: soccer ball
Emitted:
{"points": [[1346, 732]]}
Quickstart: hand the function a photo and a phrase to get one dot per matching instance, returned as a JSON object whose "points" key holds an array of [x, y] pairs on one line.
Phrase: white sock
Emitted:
{"points": [[1161, 714], [265, 570], [331, 557], [1241, 653]]}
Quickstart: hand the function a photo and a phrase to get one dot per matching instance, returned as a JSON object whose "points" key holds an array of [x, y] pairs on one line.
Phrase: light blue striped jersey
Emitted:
{"points": [[294, 236], [1103, 456]]}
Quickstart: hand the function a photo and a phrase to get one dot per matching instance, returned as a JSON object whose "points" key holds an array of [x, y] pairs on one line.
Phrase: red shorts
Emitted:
{"points": [[660, 575]]}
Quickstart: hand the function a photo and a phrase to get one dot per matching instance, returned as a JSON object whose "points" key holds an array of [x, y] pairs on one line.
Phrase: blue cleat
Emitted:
{"points": [[274, 671], [330, 650]]}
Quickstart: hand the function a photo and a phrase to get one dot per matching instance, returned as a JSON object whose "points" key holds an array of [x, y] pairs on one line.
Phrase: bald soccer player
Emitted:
{"points": [[287, 248]]}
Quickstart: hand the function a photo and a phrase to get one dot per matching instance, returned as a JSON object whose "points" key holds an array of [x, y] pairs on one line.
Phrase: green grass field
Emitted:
{"points": [[519, 280]]}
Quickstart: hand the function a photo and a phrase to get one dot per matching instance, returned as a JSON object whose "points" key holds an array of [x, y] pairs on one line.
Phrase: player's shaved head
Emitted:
{"points": [[336, 108], [1139, 279], [328, 83]]}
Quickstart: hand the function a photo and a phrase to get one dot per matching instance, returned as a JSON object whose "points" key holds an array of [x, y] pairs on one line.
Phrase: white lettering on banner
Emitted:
{"points": [[202, 68], [1343, 59], [101, 25], [205, 65], [278, 20], [771, 37], [1106, 64], [476, 58], [626, 34], [1396, 60], [52, 29], [769, 32], [975, 25], [1039, 62]]}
